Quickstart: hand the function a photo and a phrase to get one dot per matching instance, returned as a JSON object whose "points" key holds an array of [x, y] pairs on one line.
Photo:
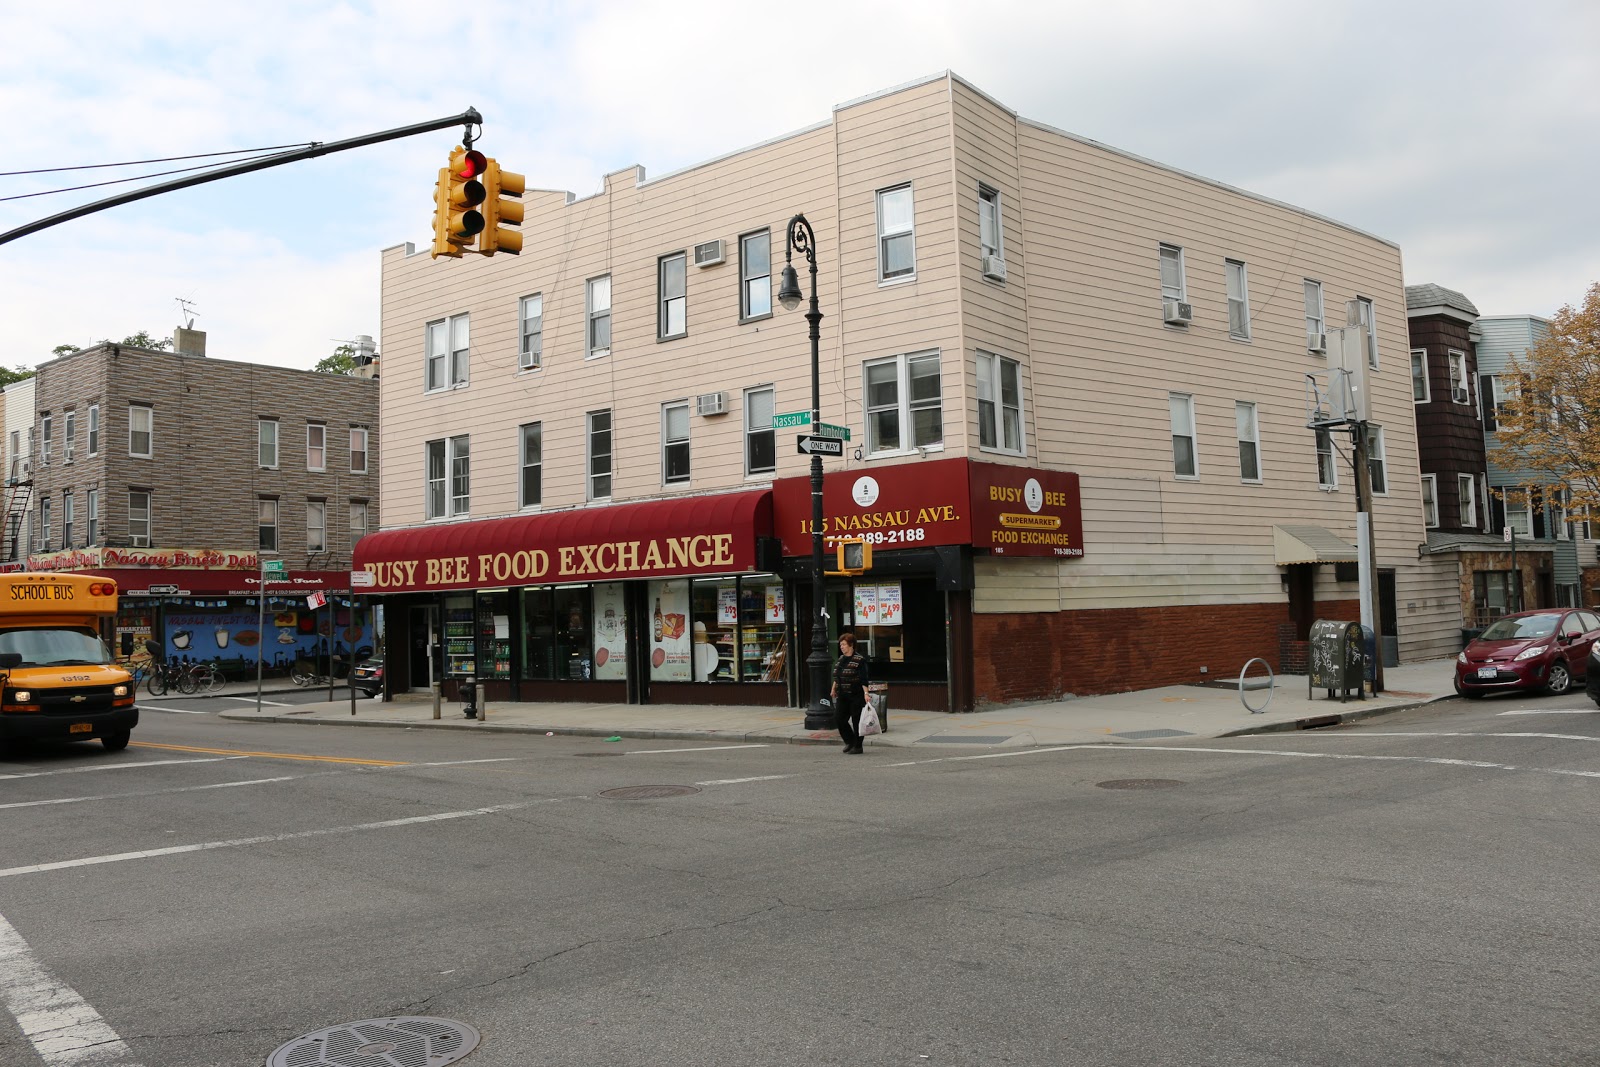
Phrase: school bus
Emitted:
{"points": [[58, 681]]}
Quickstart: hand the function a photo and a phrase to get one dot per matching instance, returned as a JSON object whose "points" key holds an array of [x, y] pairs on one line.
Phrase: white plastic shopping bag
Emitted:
{"points": [[869, 721]]}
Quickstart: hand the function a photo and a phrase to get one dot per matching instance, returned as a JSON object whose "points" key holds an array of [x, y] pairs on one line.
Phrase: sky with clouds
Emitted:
{"points": [[1464, 131]]}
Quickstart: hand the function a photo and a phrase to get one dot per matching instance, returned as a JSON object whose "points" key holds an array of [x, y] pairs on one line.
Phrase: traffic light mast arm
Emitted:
{"points": [[468, 118]]}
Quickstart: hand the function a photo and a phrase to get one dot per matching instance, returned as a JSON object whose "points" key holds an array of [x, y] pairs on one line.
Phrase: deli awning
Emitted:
{"points": [[1309, 544], [657, 538]]}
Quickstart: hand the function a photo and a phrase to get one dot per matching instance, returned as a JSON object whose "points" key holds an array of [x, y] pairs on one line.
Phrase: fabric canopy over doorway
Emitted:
{"points": [[1309, 544]]}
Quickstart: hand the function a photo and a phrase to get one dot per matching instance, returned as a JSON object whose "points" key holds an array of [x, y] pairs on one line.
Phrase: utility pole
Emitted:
{"points": [[1367, 549]]}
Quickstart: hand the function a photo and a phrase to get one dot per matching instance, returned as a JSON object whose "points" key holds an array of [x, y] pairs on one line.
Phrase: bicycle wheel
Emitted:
{"points": [[301, 674], [213, 678], [156, 683], [188, 682]]}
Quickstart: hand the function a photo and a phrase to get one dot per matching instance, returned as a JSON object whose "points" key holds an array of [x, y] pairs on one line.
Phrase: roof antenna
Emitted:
{"points": [[186, 307]]}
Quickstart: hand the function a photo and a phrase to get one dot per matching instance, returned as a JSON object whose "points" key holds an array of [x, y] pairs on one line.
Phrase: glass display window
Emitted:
{"points": [[493, 633], [714, 631], [574, 658], [670, 637], [538, 634], [763, 620], [460, 645], [610, 632]]}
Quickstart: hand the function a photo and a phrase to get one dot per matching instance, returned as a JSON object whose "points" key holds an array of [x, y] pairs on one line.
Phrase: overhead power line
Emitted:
{"points": [[163, 159]]}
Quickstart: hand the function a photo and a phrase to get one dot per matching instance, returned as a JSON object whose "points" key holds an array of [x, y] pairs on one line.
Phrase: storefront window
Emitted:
{"points": [[900, 625], [762, 619], [715, 603], [574, 658], [460, 653], [494, 634], [610, 633], [538, 634], [670, 639]]}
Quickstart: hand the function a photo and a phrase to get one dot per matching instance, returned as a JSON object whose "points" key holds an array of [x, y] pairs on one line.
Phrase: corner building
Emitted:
{"points": [[1074, 382]]}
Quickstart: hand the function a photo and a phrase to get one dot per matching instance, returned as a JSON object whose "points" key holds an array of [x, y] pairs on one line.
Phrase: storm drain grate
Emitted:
{"points": [[648, 792], [1145, 735], [1140, 783], [400, 1041], [956, 739]]}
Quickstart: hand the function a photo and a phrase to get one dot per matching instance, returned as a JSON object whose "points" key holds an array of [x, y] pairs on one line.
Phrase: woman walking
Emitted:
{"points": [[850, 692]]}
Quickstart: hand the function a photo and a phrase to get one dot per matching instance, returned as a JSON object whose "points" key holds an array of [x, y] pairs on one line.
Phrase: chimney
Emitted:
{"points": [[189, 342]]}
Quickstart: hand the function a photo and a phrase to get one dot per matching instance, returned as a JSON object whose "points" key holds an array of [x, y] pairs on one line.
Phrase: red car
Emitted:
{"points": [[1546, 649]]}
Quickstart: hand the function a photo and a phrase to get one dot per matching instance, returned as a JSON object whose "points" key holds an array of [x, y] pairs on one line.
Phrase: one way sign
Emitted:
{"points": [[813, 445]]}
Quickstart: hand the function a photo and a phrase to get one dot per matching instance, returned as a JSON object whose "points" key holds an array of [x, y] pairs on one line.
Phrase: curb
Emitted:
{"points": [[558, 731], [1317, 722]]}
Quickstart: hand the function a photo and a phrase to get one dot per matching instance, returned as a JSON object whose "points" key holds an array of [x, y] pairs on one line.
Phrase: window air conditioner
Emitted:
{"points": [[1459, 396], [994, 267], [27, 469], [66, 454], [711, 404], [708, 253], [1317, 342], [1177, 313]]}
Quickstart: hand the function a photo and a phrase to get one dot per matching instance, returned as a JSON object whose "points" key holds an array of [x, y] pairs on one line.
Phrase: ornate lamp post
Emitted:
{"points": [[801, 236]]}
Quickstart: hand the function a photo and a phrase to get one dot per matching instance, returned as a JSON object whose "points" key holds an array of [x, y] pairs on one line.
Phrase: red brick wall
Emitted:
{"points": [[1041, 657]]}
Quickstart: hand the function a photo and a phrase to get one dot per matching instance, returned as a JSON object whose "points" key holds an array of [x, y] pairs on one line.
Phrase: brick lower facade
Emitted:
{"points": [[1040, 656]]}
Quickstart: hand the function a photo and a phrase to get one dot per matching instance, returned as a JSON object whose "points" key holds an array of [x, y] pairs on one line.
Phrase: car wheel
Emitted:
{"points": [[116, 742], [1560, 680]]}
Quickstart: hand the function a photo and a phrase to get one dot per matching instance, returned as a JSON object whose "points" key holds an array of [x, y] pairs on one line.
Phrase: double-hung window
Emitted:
{"points": [[44, 523], [1238, 299], [1494, 395], [449, 476], [675, 442], [316, 446], [1430, 500], [69, 433], [94, 429], [1367, 319], [599, 315], [267, 442], [599, 452], [897, 251], [1327, 466], [46, 437], [67, 518], [1519, 512], [530, 465], [141, 430], [1466, 498], [316, 525], [999, 403], [1172, 282], [755, 274], [267, 523], [91, 515], [990, 235], [672, 296], [903, 392], [139, 518], [530, 350], [1377, 465], [760, 439], [1460, 393], [1420, 393], [1185, 461], [1249, 434], [358, 521], [358, 449], [1316, 324], [446, 357]]}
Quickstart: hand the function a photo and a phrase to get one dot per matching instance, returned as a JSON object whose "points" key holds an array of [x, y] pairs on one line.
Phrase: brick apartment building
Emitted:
{"points": [[171, 471]]}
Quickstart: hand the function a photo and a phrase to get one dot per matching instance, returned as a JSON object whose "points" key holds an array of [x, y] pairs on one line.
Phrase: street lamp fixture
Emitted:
{"points": [[802, 237]]}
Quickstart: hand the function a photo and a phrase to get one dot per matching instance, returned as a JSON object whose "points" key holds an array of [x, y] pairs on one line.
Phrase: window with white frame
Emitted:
{"points": [[141, 430], [530, 463], [1430, 500], [267, 442], [1460, 391], [67, 518], [1367, 318], [1185, 458], [1420, 392], [359, 437], [94, 429], [672, 296], [1327, 468], [760, 439], [991, 236], [897, 252], [1172, 282], [91, 516], [598, 303], [1249, 435], [358, 521], [448, 472], [44, 523], [999, 403], [140, 523], [1519, 511], [1316, 323], [530, 349], [447, 351], [1238, 299], [1467, 501], [316, 446], [675, 442], [1377, 466], [69, 433], [755, 275], [267, 523], [599, 452], [316, 525], [904, 405], [1483, 495], [46, 437]]}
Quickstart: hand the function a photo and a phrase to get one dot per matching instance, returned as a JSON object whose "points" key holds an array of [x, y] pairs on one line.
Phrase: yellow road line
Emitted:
{"points": [[273, 755]]}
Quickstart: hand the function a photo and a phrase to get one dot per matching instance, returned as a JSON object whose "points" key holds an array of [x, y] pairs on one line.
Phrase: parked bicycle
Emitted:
{"points": [[309, 673], [170, 677]]}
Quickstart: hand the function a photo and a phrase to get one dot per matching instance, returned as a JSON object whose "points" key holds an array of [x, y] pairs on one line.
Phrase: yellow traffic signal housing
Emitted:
{"points": [[854, 556], [456, 220], [502, 206]]}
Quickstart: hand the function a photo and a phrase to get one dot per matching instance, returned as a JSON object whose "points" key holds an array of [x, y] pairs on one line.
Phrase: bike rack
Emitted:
{"points": [[1255, 684]]}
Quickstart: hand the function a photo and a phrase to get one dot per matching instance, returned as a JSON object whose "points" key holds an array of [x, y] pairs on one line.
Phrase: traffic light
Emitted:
{"points": [[854, 556], [499, 212], [455, 200]]}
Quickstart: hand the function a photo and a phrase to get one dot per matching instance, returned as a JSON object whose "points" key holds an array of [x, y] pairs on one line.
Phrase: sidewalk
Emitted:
{"points": [[1119, 718]]}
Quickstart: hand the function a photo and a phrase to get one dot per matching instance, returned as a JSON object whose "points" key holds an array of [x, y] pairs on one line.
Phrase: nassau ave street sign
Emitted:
{"points": [[813, 445], [794, 419]]}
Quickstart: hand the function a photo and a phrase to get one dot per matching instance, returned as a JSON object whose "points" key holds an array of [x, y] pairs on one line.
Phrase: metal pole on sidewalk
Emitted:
{"points": [[330, 650], [261, 621]]}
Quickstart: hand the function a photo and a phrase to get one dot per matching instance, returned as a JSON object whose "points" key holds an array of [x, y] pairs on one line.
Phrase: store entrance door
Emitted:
{"points": [[425, 662]]}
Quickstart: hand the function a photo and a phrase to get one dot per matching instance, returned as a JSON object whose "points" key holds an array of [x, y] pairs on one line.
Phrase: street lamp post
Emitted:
{"points": [[801, 236]]}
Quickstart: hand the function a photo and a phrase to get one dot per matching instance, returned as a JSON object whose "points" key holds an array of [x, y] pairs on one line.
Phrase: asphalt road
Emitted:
{"points": [[1415, 890]]}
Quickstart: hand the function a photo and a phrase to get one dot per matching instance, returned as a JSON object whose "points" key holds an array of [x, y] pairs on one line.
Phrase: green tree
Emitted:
{"points": [[7, 376], [341, 361]]}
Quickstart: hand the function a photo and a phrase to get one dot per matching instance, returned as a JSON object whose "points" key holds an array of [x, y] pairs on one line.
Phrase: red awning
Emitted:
{"points": [[687, 535]]}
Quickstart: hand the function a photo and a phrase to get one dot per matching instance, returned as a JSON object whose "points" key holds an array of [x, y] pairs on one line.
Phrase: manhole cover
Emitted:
{"points": [[1139, 783], [402, 1041], [648, 792]]}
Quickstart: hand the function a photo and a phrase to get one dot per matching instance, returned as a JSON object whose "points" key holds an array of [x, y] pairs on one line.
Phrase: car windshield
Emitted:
{"points": [[55, 648], [1522, 628]]}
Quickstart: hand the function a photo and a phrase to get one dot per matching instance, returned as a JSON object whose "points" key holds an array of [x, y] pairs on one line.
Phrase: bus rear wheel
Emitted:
{"points": [[116, 742]]}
